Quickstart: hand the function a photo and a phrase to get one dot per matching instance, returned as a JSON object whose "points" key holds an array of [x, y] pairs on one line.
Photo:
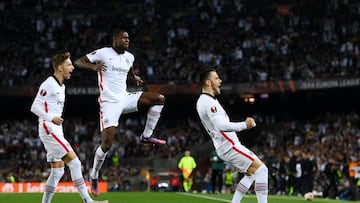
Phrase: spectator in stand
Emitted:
{"points": [[329, 38]]}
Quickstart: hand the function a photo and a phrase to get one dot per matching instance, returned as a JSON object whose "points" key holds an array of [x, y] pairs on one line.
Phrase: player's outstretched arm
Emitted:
{"points": [[226, 126]]}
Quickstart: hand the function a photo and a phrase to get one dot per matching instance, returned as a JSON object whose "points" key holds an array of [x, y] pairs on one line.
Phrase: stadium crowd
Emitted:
{"points": [[245, 40]]}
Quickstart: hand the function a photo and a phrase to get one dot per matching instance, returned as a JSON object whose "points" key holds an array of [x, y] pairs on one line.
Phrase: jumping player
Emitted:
{"points": [[113, 66]]}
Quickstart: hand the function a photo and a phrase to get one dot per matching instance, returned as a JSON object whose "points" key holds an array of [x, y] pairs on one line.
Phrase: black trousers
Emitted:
{"points": [[217, 180]]}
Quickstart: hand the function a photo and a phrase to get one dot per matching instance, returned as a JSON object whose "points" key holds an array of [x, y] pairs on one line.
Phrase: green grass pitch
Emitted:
{"points": [[151, 197]]}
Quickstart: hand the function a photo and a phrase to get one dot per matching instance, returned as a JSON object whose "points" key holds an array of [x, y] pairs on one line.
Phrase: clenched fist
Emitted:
{"points": [[250, 122]]}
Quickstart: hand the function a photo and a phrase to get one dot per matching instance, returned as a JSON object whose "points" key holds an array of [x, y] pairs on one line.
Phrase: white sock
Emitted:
{"points": [[153, 116], [99, 159], [242, 188], [51, 183], [261, 184], [78, 180]]}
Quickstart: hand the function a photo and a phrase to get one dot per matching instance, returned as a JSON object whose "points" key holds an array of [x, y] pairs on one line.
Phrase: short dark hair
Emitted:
{"points": [[117, 31], [59, 58], [204, 75]]}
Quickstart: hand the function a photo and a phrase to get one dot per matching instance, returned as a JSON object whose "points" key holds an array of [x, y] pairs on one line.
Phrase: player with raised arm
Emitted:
{"points": [[227, 145], [48, 105], [114, 65]]}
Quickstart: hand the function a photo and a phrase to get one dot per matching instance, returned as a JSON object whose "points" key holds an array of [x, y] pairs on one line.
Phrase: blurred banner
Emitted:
{"points": [[30, 187], [275, 86]]}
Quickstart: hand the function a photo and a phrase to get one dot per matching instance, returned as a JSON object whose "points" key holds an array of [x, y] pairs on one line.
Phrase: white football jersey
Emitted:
{"points": [[49, 100], [217, 123], [112, 82]]}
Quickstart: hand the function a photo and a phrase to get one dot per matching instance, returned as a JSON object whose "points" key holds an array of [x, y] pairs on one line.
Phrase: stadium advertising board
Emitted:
{"points": [[32, 187]]}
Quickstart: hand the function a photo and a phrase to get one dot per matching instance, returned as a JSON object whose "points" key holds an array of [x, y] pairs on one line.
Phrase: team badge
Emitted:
{"points": [[43, 92], [213, 109]]}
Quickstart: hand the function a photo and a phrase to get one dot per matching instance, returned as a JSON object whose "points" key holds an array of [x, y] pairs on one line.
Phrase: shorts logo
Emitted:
{"points": [[93, 53], [213, 109], [43, 92], [106, 120]]}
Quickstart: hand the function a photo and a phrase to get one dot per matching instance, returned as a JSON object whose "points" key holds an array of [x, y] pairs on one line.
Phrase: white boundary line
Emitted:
{"points": [[204, 197]]}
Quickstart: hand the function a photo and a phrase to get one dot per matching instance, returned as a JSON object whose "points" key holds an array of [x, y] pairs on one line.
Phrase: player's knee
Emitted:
{"points": [[107, 139], [249, 173], [57, 172], [106, 146], [262, 171], [75, 163]]}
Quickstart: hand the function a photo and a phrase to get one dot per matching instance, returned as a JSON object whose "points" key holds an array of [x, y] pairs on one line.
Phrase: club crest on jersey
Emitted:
{"points": [[43, 92], [213, 109]]}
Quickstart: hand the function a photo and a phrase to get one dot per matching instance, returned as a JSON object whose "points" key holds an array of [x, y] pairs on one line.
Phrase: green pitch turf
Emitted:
{"points": [[152, 197]]}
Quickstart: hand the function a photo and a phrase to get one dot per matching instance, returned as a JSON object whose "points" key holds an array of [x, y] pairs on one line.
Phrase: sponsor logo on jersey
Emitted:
{"points": [[118, 69]]}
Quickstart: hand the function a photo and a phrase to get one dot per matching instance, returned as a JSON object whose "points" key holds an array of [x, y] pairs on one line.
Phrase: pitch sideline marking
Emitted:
{"points": [[205, 197]]}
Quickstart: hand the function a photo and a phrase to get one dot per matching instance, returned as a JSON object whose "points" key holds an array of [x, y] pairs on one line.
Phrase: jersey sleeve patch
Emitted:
{"points": [[213, 109], [43, 92]]}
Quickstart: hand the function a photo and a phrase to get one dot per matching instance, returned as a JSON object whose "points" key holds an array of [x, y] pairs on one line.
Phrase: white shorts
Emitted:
{"points": [[55, 144], [110, 112], [239, 156]]}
